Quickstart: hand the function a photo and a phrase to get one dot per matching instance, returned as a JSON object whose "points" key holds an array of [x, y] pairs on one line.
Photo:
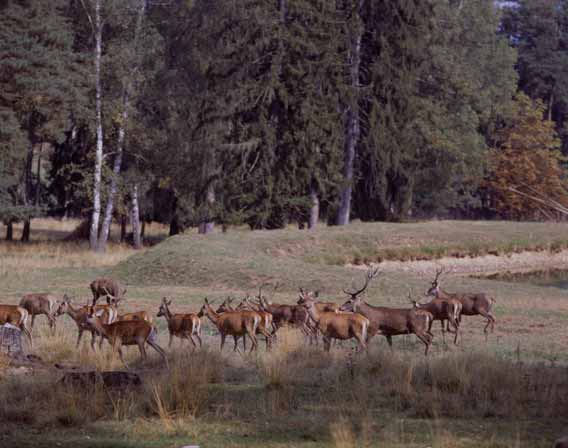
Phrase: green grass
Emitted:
{"points": [[296, 396]]}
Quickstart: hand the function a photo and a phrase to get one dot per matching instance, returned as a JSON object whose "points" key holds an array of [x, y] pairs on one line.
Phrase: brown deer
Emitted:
{"points": [[443, 310], [266, 320], [136, 315], [40, 303], [321, 306], [294, 315], [338, 325], [108, 287], [183, 326], [473, 304], [133, 332], [390, 322], [17, 316], [233, 323], [79, 316]]}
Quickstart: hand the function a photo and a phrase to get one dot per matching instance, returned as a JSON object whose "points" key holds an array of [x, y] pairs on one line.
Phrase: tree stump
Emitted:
{"points": [[11, 341]]}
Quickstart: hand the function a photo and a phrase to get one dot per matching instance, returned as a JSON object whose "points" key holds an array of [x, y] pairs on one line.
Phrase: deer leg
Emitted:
{"points": [[490, 321], [119, 349], [142, 350], [236, 339], [93, 340], [223, 336], [326, 343], [192, 341], [28, 334], [171, 340], [389, 340], [199, 339], [79, 337], [161, 351], [51, 323], [33, 320], [443, 331], [427, 341]]}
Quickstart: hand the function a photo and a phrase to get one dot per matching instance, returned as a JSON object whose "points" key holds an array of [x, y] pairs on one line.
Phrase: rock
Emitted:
{"points": [[110, 379], [11, 341]]}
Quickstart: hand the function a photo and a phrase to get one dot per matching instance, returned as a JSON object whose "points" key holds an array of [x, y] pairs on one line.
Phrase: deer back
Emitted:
{"points": [[13, 314], [39, 303]]}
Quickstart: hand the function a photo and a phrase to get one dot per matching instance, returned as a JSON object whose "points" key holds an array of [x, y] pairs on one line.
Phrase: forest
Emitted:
{"points": [[204, 113]]}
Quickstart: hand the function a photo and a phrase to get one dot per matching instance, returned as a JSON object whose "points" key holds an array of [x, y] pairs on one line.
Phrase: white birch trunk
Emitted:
{"points": [[208, 226], [314, 209], [94, 232], [107, 221], [352, 129], [135, 218]]}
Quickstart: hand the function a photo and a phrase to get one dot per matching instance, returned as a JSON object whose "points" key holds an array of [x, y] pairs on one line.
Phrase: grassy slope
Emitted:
{"points": [[531, 319]]}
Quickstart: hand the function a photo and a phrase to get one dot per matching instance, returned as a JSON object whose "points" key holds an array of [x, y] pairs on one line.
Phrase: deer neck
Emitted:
{"points": [[99, 326], [212, 315], [313, 313], [75, 313], [168, 314]]}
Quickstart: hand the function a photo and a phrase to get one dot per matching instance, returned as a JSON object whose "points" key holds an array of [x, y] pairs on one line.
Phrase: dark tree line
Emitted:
{"points": [[266, 113]]}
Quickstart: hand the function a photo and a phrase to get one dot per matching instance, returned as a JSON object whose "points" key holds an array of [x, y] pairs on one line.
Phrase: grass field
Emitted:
{"points": [[508, 392]]}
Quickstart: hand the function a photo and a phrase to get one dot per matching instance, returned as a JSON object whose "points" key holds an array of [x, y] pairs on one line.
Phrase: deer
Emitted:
{"points": [[389, 322], [79, 316], [295, 315], [131, 332], [17, 316], [40, 303], [183, 326], [473, 304], [443, 310], [108, 287], [233, 323], [136, 315], [266, 319], [321, 306], [338, 325]]}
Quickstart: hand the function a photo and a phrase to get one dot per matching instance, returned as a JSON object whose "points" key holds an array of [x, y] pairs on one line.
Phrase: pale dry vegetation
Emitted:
{"points": [[476, 394]]}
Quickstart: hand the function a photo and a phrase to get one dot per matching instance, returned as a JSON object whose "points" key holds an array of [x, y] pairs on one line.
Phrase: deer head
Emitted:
{"points": [[435, 287], [206, 308], [164, 310]]}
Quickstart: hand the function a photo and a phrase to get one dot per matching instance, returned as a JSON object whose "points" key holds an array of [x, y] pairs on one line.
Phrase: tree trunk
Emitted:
{"points": [[135, 218], [38, 180], [94, 231], [143, 230], [208, 226], [174, 226], [314, 210], [107, 221], [10, 231], [26, 231], [352, 125], [123, 228]]}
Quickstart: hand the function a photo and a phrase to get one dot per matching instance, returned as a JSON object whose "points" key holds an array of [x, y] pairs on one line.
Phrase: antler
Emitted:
{"points": [[370, 275], [438, 273]]}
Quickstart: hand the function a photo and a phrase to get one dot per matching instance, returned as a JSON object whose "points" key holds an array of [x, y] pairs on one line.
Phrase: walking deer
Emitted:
{"points": [[473, 304], [294, 315], [338, 325], [184, 326], [108, 287], [390, 322], [17, 316], [236, 324], [136, 315], [443, 310], [133, 332], [40, 303], [266, 319]]}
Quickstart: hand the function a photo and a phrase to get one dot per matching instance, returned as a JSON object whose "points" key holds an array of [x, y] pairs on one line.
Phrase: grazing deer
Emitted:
{"points": [[79, 316], [473, 304], [236, 324], [443, 310], [17, 316], [132, 332], [108, 287], [40, 303], [390, 322], [338, 325], [183, 326]]}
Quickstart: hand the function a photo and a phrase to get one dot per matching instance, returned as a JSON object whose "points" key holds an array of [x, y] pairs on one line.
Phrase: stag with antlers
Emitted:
{"points": [[389, 322], [473, 304]]}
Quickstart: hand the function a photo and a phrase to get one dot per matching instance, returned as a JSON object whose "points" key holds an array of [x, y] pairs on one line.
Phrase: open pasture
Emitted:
{"points": [[508, 392]]}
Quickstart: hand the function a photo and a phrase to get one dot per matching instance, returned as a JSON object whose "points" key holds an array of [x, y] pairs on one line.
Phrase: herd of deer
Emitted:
{"points": [[354, 319]]}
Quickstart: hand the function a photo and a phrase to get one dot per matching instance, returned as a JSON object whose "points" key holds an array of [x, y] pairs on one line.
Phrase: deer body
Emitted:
{"points": [[17, 316], [133, 332], [287, 314], [233, 323], [40, 303], [341, 326], [443, 310], [473, 304], [106, 287], [184, 326], [264, 326], [137, 315]]}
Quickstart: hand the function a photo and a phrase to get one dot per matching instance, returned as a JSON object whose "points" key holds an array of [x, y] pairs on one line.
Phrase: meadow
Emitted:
{"points": [[509, 391]]}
